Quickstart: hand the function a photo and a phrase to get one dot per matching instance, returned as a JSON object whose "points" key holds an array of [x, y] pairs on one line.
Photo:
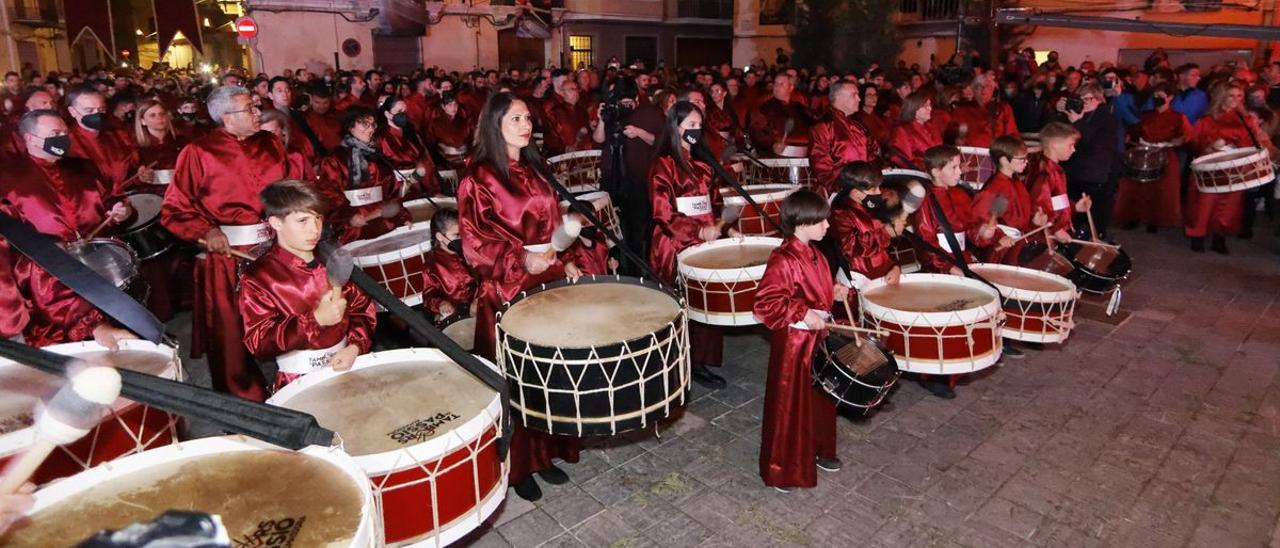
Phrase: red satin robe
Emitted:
{"points": [[164, 155], [1219, 213], [65, 199], [17, 312], [216, 182], [1157, 202], [982, 125], [419, 107], [863, 239], [674, 231], [298, 141], [452, 132], [769, 121], [112, 151], [909, 141], [837, 141], [57, 314], [877, 126], [799, 423], [958, 208], [277, 301], [446, 278], [724, 121], [567, 126], [328, 129], [1047, 181], [398, 147], [335, 178], [497, 219], [1018, 214]]}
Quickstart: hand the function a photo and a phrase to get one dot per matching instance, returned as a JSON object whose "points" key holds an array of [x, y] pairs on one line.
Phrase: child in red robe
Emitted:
{"points": [[1049, 182], [1009, 154], [448, 285]]}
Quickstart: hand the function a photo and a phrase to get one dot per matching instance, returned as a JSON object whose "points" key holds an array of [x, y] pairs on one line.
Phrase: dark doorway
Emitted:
{"points": [[693, 51], [641, 48], [517, 52]]}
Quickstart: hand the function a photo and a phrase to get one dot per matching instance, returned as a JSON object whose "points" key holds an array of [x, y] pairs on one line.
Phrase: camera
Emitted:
{"points": [[1075, 104]]}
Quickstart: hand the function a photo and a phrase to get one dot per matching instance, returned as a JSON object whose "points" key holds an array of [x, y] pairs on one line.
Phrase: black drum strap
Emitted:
{"points": [[81, 279], [309, 133]]}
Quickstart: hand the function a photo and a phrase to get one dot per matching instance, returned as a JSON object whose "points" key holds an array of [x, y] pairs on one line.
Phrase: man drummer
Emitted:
{"points": [[779, 126], [448, 285], [840, 139], [292, 313], [111, 149]]}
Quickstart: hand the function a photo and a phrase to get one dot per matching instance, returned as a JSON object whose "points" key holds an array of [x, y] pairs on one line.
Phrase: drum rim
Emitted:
{"points": [[780, 192], [884, 349], [660, 287], [18, 440], [1091, 272], [1009, 231], [59, 491], [893, 172], [388, 257], [968, 315], [1070, 293], [783, 162], [1207, 162], [706, 274], [389, 462], [976, 151]]}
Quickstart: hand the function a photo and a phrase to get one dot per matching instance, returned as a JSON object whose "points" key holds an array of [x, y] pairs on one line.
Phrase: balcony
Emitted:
{"points": [[705, 9], [34, 12], [540, 4], [916, 11]]}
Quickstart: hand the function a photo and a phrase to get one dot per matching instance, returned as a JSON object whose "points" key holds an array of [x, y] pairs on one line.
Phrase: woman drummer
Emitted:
{"points": [[398, 140], [686, 209], [158, 147], [504, 205], [359, 182], [1225, 125]]}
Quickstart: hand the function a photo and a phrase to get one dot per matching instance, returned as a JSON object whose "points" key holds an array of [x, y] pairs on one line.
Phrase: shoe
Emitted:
{"points": [[529, 490], [940, 389], [830, 465], [554, 475], [1013, 352], [782, 490], [1197, 245], [1246, 233], [1151, 229], [1220, 244], [703, 376], [1032, 346]]}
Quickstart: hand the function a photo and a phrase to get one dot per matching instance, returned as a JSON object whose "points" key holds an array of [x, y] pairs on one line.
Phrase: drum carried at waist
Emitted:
{"points": [[936, 323], [145, 235], [1038, 305], [857, 374], [1146, 163], [1232, 170], [396, 260], [602, 356], [115, 262], [1097, 268], [424, 432], [769, 197]]}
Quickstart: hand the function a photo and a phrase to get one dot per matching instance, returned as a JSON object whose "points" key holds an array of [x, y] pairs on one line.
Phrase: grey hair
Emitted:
{"points": [[219, 101], [27, 126], [1090, 89], [840, 86]]}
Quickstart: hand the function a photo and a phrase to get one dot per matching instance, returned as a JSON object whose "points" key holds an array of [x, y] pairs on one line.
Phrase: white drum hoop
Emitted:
{"points": [[1052, 304], [702, 277], [1243, 171], [985, 316], [399, 256]]}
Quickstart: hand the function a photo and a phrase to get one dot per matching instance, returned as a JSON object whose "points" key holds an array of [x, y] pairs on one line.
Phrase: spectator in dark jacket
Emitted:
{"points": [[1095, 167]]}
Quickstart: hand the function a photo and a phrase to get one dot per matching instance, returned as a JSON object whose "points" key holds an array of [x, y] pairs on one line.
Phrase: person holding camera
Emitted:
{"points": [[627, 130], [1095, 168]]}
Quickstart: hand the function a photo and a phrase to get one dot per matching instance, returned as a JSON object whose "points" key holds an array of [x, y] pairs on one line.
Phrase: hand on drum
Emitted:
{"points": [[841, 292], [536, 263], [1084, 203], [709, 233], [735, 234], [110, 336], [120, 212], [14, 507], [342, 360], [572, 272], [216, 242], [446, 309], [331, 309], [814, 321], [1220, 144], [894, 277]]}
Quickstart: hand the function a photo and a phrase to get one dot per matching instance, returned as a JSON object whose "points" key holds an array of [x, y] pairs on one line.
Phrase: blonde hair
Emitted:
{"points": [[140, 131]]}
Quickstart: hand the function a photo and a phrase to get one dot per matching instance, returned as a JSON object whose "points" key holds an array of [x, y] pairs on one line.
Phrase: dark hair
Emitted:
{"points": [[286, 196], [83, 89], [271, 84], [669, 143], [491, 147], [938, 157], [803, 207], [448, 97], [911, 104], [355, 114], [859, 175], [441, 220], [1006, 146]]}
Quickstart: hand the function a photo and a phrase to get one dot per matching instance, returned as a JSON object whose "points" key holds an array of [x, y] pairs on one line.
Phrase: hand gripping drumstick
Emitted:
{"points": [[231, 251], [69, 415]]}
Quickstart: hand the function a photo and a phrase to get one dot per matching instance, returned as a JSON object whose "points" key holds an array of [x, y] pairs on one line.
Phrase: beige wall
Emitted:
{"points": [[918, 50], [291, 40], [454, 46], [753, 42], [635, 8]]}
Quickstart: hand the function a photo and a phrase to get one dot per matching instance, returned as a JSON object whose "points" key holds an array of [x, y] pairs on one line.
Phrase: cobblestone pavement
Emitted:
{"points": [[1162, 431]]}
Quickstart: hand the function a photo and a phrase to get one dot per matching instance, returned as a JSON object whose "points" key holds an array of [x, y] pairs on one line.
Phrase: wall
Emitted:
{"points": [[753, 42], [609, 38], [293, 39], [918, 49], [454, 46]]}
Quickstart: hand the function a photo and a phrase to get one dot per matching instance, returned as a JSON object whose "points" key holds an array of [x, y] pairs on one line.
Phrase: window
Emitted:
{"points": [[580, 52]]}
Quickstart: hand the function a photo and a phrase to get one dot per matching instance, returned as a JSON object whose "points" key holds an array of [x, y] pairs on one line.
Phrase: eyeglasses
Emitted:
{"points": [[250, 109], [365, 123]]}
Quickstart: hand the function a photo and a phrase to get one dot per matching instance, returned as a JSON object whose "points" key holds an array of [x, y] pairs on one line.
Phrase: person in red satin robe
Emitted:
{"points": [[504, 205], [798, 434], [1156, 203], [1225, 124], [877, 125], [292, 313], [980, 118], [323, 120], [17, 311], [971, 231], [767, 125], [359, 183], [303, 139], [863, 238], [686, 212], [567, 119], [213, 201], [721, 117], [1009, 154], [839, 139], [398, 141], [158, 148], [913, 133], [451, 131], [421, 102], [110, 149], [1048, 181], [448, 286]]}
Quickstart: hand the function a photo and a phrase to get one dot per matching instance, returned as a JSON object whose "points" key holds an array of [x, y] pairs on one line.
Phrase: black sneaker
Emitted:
{"points": [[703, 376], [941, 389], [1152, 229], [529, 490], [1013, 352], [830, 465], [554, 475], [1197, 245], [1220, 244]]}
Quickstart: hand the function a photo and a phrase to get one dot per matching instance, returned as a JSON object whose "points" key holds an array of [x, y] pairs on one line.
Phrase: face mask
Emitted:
{"points": [[92, 121], [455, 245], [1255, 102], [187, 115], [57, 145], [128, 116], [1159, 101], [874, 202], [692, 136], [400, 119]]}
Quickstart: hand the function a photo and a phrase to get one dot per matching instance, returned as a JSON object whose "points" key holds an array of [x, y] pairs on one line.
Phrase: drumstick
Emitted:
{"points": [[848, 311], [855, 330], [1024, 236], [1095, 242], [126, 182], [95, 230], [1093, 231], [232, 251]]}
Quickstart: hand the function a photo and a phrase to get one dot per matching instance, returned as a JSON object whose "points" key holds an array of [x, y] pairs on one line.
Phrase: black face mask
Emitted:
{"points": [[128, 116], [57, 145], [1158, 101], [400, 119], [455, 245], [692, 136], [874, 202], [93, 121], [187, 115]]}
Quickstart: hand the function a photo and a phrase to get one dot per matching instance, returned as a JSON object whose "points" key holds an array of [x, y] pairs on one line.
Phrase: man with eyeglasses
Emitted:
{"points": [[93, 137], [1095, 168], [213, 202]]}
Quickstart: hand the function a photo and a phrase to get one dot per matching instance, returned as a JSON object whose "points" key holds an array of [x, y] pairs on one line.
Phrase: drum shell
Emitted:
{"points": [[853, 392], [722, 296], [975, 167], [1034, 316], [1144, 163], [1214, 176], [937, 342], [399, 271], [784, 171], [148, 239], [1088, 276]]}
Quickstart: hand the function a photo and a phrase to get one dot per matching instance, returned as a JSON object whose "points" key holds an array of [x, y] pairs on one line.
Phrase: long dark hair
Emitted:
{"points": [[491, 148], [669, 143]]}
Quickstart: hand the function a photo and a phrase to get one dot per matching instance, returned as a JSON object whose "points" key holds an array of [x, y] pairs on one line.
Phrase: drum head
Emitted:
{"points": [[463, 332], [110, 259], [585, 315], [928, 295], [1025, 279], [392, 242], [147, 205], [730, 256]]}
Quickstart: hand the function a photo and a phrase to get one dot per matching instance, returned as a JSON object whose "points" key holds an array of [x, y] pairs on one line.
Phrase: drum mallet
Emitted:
{"points": [[1031, 233], [70, 414]]}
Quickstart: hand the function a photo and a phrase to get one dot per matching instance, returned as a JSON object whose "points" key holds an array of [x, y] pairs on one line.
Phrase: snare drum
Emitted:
{"points": [[604, 210], [778, 171], [1232, 170], [128, 428], [937, 323], [1038, 306], [463, 332], [720, 278], [422, 429], [115, 262], [579, 171], [605, 355], [975, 167], [422, 209], [858, 377], [264, 495], [396, 260], [769, 197], [1145, 163], [146, 236], [1098, 269]]}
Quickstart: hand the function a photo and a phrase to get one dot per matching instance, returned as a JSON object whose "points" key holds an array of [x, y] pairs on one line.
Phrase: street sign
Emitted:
{"points": [[246, 27]]}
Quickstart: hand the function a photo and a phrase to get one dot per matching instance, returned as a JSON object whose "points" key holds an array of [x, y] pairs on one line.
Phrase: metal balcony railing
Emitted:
{"points": [[928, 10], [34, 11], [705, 9]]}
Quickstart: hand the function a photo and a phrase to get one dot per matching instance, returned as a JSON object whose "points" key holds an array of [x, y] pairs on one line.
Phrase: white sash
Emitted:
{"points": [[792, 151], [1060, 202], [942, 241], [801, 325], [301, 362], [694, 206], [364, 196], [238, 235]]}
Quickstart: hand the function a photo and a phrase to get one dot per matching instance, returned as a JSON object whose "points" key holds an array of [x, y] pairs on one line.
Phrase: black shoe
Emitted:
{"points": [[1220, 244], [703, 375], [1151, 229], [1246, 234], [941, 389], [1033, 346], [1013, 352], [830, 465], [1197, 245], [554, 475], [529, 490]]}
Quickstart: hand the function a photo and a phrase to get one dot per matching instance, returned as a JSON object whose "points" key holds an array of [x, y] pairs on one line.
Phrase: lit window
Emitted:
{"points": [[580, 52]]}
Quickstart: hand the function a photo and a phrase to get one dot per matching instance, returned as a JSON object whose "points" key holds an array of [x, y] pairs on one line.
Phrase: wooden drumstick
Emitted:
{"points": [[1095, 242], [135, 176], [1093, 230], [855, 330], [848, 311], [232, 251], [1029, 234], [95, 230]]}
